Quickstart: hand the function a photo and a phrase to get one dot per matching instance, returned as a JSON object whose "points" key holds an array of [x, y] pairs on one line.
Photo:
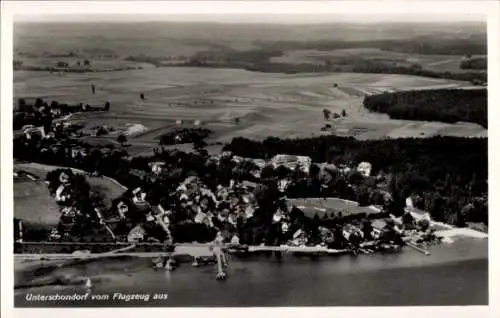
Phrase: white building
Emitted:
{"points": [[136, 234], [157, 167], [292, 162], [365, 168], [409, 202]]}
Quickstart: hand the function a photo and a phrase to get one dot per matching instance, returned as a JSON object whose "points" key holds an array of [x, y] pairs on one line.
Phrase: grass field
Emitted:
{"points": [[32, 202], [266, 104]]}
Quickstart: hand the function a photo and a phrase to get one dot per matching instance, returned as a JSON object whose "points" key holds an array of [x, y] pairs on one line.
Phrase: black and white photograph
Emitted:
{"points": [[310, 159]]}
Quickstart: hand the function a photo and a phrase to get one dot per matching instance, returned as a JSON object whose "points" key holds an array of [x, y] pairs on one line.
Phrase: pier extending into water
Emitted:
{"points": [[165, 255]]}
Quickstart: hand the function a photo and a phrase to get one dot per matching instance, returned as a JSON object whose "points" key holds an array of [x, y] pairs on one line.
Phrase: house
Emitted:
{"points": [[409, 202], [139, 199], [34, 131], [283, 184], [139, 173], [261, 163], [157, 167], [365, 168], [62, 64], [237, 159], [78, 151], [292, 162], [62, 194], [122, 209], [136, 234]]}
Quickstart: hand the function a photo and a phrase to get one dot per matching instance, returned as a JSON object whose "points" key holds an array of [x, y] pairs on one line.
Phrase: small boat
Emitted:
{"points": [[88, 283]]}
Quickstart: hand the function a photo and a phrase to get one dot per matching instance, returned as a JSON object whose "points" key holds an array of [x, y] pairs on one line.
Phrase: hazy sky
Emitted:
{"points": [[367, 11], [254, 18]]}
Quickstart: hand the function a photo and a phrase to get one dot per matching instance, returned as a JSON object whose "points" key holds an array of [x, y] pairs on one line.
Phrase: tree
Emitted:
{"points": [[121, 139], [86, 63], [408, 221], [363, 196], [344, 113], [18, 65], [107, 106], [367, 229], [21, 104], [423, 225], [396, 206], [328, 65], [38, 103], [326, 114], [267, 172]]}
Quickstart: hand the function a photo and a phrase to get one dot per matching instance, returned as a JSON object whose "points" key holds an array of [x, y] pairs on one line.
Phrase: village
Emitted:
{"points": [[231, 205]]}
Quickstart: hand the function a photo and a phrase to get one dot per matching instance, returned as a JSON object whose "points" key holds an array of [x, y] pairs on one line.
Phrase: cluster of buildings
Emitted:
{"points": [[194, 203], [69, 208], [227, 206]]}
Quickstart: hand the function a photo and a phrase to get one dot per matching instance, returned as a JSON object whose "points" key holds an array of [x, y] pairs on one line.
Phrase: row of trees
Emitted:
{"points": [[184, 135], [476, 63], [41, 113], [476, 45], [446, 105], [362, 66]]}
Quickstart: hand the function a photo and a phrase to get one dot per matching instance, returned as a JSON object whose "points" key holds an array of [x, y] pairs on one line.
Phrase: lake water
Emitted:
{"points": [[454, 274]]}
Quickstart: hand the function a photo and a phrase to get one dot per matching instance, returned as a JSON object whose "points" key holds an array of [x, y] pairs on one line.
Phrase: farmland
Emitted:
{"points": [[265, 104]]}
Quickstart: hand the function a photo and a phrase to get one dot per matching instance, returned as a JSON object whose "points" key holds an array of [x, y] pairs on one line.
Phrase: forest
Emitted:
{"points": [[445, 105]]}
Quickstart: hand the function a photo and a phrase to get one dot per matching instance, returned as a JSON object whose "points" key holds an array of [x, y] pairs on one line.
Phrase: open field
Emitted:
{"points": [[437, 63], [266, 104], [33, 203]]}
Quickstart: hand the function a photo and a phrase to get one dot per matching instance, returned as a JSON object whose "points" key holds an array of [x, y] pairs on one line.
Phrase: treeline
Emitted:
{"points": [[446, 105], [41, 113], [476, 45], [261, 63], [476, 63], [71, 69], [364, 66], [156, 61], [446, 174], [184, 135], [230, 55]]}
